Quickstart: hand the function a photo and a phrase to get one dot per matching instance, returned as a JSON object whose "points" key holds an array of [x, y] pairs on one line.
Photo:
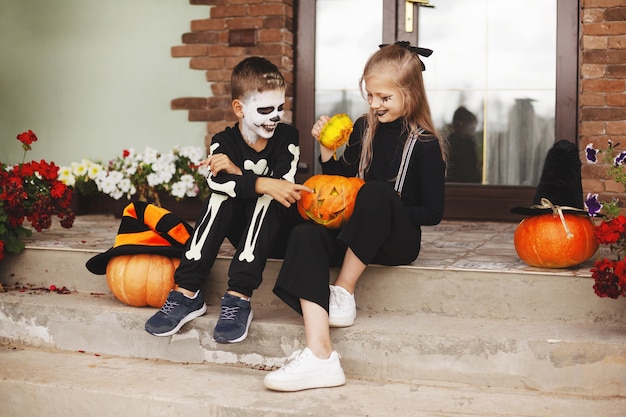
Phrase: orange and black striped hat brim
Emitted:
{"points": [[145, 228]]}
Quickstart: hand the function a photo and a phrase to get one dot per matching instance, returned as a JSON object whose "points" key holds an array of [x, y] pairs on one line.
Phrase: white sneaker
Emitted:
{"points": [[342, 307], [304, 370]]}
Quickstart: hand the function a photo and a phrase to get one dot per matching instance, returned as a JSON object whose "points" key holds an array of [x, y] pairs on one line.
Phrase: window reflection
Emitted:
{"points": [[464, 165], [501, 69]]}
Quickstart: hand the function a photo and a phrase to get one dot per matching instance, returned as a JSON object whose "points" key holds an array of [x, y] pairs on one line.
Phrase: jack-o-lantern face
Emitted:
{"points": [[332, 201]]}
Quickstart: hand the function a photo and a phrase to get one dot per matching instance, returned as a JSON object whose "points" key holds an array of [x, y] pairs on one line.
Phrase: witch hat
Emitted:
{"points": [[560, 184], [148, 229]]}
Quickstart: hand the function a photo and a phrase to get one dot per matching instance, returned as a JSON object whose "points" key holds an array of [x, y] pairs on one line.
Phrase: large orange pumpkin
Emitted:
{"points": [[332, 201], [547, 242], [141, 279]]}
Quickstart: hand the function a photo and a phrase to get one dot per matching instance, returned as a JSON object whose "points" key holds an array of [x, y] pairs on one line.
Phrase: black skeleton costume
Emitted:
{"points": [[252, 223]]}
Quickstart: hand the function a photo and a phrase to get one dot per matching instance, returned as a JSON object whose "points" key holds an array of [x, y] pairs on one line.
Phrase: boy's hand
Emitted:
{"points": [[285, 192], [325, 153], [221, 162]]}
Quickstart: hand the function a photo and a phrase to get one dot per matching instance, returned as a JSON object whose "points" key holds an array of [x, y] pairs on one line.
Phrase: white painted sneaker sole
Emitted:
{"points": [[305, 382], [340, 321]]}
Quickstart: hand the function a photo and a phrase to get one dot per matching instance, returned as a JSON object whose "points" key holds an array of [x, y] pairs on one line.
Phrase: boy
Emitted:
{"points": [[252, 173]]}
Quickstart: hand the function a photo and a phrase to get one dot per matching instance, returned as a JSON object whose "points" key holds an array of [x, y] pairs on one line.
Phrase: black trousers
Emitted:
{"points": [[258, 229], [379, 231]]}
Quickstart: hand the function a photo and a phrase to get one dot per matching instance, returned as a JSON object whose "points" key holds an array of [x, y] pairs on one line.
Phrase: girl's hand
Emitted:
{"points": [[285, 192], [318, 126], [221, 162], [325, 153]]}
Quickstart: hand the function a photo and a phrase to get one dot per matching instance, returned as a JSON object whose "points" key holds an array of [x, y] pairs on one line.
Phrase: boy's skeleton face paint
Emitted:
{"points": [[261, 114]]}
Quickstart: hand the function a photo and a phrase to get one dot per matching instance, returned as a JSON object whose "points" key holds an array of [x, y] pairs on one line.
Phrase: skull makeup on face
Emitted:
{"points": [[261, 114]]}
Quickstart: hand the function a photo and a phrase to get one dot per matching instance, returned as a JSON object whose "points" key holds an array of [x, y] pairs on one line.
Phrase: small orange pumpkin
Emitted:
{"points": [[141, 279], [332, 201], [547, 242]]}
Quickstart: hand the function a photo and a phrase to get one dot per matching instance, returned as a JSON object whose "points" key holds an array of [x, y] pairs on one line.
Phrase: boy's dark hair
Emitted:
{"points": [[255, 74]]}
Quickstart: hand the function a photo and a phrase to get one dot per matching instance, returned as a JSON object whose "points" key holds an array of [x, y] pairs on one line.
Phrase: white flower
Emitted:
{"points": [[154, 179], [94, 170], [79, 170], [179, 189], [194, 153], [66, 176], [149, 156], [177, 172], [125, 185]]}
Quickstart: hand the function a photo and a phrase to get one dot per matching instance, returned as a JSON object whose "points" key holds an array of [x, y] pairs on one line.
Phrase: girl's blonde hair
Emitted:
{"points": [[404, 68]]}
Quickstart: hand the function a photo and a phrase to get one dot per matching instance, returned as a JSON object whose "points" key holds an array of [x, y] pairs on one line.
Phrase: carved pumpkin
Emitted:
{"points": [[332, 201], [336, 132], [141, 279], [547, 242]]}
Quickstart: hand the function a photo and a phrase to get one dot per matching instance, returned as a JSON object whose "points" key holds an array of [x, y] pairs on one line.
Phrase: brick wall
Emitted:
{"points": [[232, 31], [602, 89]]}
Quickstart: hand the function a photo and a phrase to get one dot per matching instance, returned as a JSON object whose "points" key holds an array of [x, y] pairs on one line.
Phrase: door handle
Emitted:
{"points": [[409, 15]]}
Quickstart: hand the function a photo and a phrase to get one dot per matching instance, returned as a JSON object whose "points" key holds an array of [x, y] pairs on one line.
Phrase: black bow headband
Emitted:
{"points": [[416, 50]]}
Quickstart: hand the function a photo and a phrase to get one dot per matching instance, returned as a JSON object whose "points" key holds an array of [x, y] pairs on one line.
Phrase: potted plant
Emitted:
{"points": [[30, 191]]}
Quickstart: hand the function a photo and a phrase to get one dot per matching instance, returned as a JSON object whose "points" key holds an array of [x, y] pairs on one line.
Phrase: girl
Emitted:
{"points": [[396, 150]]}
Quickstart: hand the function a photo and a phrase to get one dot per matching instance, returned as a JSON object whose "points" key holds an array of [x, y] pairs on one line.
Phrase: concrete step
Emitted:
{"points": [[36, 383], [552, 357], [523, 294]]}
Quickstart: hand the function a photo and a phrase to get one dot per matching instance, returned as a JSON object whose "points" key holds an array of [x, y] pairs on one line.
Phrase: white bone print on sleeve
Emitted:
{"points": [[225, 188], [295, 151]]}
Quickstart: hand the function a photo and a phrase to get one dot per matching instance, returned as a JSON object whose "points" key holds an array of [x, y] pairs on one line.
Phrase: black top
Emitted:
{"points": [[423, 187], [279, 159]]}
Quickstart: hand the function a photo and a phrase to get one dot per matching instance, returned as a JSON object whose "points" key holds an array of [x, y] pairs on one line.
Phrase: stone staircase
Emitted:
{"points": [[468, 330]]}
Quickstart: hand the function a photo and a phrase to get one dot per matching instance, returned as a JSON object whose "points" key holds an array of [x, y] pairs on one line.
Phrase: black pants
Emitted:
{"points": [[379, 231], [257, 228]]}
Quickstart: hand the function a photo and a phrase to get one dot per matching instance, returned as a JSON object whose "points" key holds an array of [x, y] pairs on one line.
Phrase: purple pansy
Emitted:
{"points": [[592, 204], [619, 159], [591, 154]]}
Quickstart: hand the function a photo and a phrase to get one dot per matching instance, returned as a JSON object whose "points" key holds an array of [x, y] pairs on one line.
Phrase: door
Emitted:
{"points": [[511, 82]]}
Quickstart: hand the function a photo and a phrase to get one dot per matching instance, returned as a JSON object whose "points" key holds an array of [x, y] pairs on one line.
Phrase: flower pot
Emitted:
{"points": [[94, 204], [187, 209]]}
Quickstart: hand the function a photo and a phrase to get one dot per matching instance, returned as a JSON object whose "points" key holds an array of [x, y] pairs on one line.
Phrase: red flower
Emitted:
{"points": [[610, 232], [606, 279], [126, 153], [31, 191], [57, 190], [27, 138]]}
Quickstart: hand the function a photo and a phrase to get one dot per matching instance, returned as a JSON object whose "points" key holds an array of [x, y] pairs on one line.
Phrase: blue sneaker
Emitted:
{"points": [[234, 321], [177, 310]]}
